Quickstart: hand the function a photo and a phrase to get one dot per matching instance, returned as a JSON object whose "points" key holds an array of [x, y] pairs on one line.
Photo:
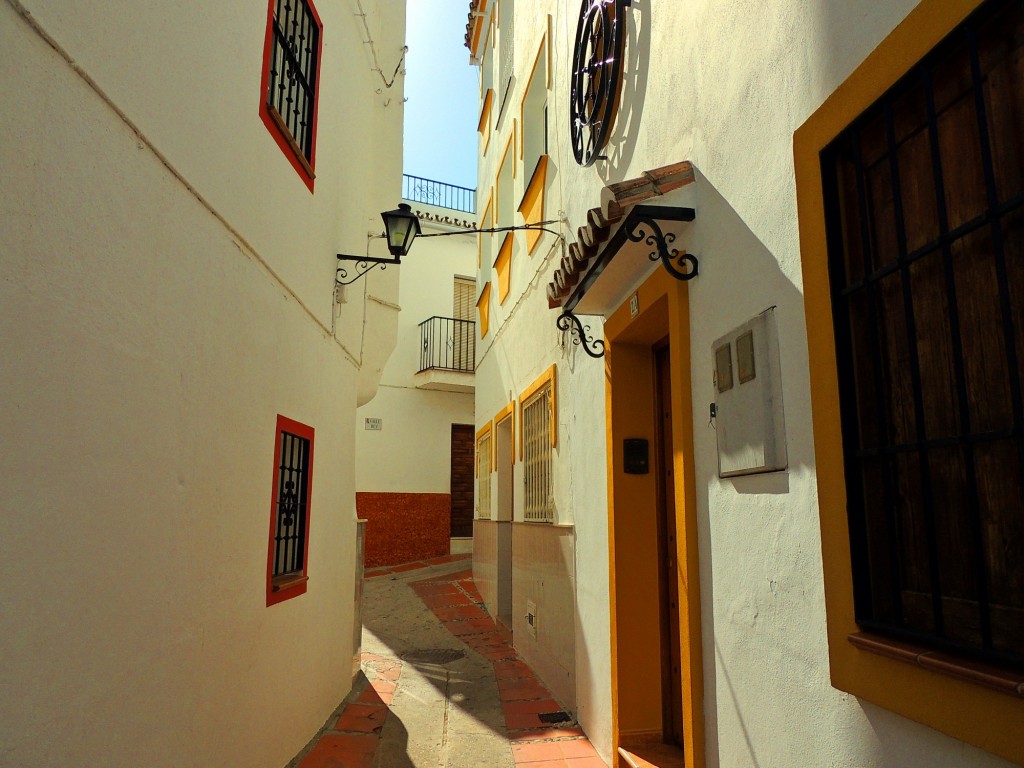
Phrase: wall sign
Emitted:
{"points": [[596, 77], [374, 424]]}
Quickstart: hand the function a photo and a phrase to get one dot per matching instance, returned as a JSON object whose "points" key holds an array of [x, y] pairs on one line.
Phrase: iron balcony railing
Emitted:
{"points": [[419, 190], [447, 344]]}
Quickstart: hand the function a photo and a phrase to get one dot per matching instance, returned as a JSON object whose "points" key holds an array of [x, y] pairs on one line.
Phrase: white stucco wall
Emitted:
{"points": [[167, 291], [723, 85], [411, 453]]}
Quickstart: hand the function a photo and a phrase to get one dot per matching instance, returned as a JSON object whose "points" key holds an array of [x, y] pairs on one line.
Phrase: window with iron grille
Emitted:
{"points": [[290, 75], [925, 217], [537, 420], [483, 471], [289, 514]]}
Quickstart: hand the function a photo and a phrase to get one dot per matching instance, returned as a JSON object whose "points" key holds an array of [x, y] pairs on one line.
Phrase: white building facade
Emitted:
{"points": [[414, 440], [180, 536], [698, 536]]}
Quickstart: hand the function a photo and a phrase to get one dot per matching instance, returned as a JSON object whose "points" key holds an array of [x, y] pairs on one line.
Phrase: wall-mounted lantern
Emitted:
{"points": [[401, 226]]}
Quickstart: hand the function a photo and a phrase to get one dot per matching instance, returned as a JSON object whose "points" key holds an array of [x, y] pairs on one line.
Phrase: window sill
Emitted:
{"points": [[286, 134], [994, 678], [281, 583]]}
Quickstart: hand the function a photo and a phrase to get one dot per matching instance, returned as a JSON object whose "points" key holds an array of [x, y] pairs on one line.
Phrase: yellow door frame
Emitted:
{"points": [[663, 311]]}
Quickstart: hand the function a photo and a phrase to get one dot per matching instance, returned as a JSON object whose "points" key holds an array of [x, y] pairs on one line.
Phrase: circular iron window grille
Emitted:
{"points": [[596, 77]]}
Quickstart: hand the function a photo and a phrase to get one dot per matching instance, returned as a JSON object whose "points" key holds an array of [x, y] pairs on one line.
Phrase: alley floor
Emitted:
{"points": [[441, 686]]}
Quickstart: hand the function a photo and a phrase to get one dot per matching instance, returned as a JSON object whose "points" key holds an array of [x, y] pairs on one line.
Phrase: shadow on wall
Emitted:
{"points": [[622, 142], [739, 279]]}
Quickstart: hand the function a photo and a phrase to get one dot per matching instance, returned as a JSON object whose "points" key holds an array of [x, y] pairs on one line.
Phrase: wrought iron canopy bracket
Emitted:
{"points": [[567, 321], [363, 265], [644, 226]]}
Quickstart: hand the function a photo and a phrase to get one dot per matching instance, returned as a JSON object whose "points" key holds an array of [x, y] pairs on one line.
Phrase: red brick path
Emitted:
{"points": [[454, 599]]}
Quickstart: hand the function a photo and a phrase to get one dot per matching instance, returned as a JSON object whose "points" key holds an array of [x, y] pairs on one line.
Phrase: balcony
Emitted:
{"points": [[447, 354], [430, 192]]}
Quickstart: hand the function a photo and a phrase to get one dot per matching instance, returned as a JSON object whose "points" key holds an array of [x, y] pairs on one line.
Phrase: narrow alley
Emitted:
{"points": [[441, 686]]}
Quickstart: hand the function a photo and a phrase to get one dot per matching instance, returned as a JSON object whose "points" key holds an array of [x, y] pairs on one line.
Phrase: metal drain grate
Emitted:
{"points": [[555, 717], [434, 656]]}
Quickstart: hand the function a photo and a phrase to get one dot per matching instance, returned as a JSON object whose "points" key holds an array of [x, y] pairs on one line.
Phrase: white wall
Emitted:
{"points": [[411, 453], [167, 293], [723, 85]]}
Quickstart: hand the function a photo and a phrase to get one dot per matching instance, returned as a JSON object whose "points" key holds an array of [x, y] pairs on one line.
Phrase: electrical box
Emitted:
{"points": [[750, 422]]}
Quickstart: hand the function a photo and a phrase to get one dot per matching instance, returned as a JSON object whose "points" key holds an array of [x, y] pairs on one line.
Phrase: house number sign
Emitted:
{"points": [[596, 77]]}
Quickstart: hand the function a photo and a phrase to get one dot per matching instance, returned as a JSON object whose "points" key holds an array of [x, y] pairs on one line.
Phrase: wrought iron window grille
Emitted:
{"points": [[926, 297], [291, 90], [290, 529]]}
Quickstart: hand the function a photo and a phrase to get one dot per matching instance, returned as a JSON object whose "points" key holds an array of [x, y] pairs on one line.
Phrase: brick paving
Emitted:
{"points": [[351, 739]]}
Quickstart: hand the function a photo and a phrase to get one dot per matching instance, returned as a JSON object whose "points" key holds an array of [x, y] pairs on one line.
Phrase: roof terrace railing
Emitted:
{"points": [[420, 190]]}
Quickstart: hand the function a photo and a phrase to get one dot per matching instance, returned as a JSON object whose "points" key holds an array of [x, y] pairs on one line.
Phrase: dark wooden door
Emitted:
{"points": [[671, 668], [462, 480]]}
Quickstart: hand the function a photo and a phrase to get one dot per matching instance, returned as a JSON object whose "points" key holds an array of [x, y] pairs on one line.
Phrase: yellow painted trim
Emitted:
{"points": [[485, 114], [484, 224], [979, 716], [549, 376], [503, 267], [483, 306], [532, 206], [629, 374], [508, 412], [484, 430]]}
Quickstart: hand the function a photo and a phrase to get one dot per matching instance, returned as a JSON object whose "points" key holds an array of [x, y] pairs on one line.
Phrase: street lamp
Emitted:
{"points": [[400, 228]]}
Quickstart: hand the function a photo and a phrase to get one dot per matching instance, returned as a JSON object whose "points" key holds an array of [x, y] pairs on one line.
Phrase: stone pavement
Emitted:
{"points": [[441, 687]]}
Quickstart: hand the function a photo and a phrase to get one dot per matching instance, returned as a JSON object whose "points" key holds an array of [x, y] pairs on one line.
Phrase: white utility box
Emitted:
{"points": [[750, 423]]}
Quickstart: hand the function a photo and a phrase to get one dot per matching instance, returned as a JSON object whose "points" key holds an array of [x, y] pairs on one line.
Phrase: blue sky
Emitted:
{"points": [[442, 90]]}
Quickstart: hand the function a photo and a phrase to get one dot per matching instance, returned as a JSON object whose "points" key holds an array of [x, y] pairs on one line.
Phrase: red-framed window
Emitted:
{"points": [[289, 88], [288, 547]]}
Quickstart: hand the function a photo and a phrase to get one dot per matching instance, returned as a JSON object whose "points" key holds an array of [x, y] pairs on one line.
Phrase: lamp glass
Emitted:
{"points": [[401, 227]]}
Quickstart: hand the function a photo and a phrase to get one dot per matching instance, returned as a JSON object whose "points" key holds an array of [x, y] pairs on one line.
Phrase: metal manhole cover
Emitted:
{"points": [[434, 656]]}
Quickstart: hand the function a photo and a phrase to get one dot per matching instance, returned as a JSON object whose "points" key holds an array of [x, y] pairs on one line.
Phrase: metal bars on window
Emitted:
{"points": [[291, 91], [925, 204], [537, 468], [483, 471], [292, 482]]}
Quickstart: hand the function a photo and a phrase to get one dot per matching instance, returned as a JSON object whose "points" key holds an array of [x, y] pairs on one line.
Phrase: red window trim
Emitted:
{"points": [[296, 584], [269, 116]]}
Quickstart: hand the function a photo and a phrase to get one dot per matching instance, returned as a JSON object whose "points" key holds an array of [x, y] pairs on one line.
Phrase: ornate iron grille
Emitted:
{"points": [[291, 91], [483, 480], [925, 215], [290, 533], [536, 427], [596, 76], [447, 344]]}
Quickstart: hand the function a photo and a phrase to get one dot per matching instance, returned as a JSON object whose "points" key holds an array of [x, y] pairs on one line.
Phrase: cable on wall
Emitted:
{"points": [[373, 52]]}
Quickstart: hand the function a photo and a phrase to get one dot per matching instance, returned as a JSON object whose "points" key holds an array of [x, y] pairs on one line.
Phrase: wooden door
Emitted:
{"points": [[462, 481], [671, 668]]}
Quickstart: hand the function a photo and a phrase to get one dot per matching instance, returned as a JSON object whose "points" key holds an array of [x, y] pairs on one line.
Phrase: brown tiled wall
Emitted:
{"points": [[402, 527]]}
